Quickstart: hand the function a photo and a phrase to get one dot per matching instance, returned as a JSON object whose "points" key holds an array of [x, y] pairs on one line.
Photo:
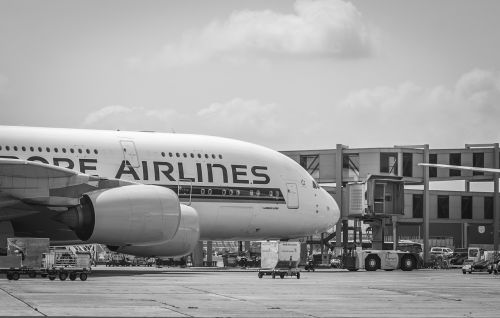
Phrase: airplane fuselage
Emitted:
{"points": [[239, 190]]}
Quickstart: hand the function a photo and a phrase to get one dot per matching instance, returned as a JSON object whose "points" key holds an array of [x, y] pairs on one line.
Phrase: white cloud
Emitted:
{"points": [[322, 28], [244, 119], [131, 118], [248, 120], [466, 112]]}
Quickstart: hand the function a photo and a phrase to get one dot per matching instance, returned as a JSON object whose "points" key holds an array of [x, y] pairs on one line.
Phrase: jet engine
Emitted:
{"points": [[129, 215], [183, 243]]}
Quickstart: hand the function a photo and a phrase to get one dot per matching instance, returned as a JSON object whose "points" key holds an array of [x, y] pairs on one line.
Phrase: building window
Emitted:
{"points": [[350, 165], [455, 160], [389, 163], [443, 208], [488, 208], [478, 161], [407, 164], [433, 158], [311, 164], [418, 205], [466, 207]]}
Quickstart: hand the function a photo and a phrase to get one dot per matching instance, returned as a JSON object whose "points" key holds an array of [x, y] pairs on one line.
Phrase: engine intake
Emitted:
{"points": [[129, 215]]}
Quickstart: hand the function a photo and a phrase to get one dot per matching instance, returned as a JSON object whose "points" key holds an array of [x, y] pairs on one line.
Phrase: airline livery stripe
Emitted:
{"points": [[238, 194]]}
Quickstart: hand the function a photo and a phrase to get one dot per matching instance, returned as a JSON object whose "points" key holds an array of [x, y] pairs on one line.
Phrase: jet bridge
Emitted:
{"points": [[376, 202]]}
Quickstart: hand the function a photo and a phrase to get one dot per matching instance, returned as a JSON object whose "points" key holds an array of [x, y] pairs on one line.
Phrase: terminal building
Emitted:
{"points": [[467, 218]]}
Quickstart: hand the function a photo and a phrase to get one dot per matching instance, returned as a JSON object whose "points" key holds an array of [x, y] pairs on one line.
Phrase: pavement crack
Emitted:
{"points": [[172, 308], [23, 301], [417, 293]]}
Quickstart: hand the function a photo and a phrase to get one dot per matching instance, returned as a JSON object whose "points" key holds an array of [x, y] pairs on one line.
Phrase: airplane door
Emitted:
{"points": [[185, 190], [130, 153], [292, 200]]}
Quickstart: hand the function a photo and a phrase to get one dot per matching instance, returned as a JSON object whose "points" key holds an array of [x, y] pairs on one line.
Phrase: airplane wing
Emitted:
{"points": [[491, 170], [29, 182]]}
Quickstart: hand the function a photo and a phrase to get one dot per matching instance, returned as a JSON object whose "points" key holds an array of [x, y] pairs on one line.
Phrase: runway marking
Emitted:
{"points": [[24, 302]]}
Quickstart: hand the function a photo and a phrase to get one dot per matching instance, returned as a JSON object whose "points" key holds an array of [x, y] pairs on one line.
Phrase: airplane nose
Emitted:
{"points": [[332, 210]]}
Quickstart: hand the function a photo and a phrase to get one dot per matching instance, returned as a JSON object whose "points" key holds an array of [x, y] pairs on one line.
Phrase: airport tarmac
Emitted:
{"points": [[172, 292]]}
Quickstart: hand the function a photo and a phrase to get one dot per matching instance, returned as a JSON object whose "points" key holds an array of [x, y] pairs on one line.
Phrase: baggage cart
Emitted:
{"points": [[280, 259], [64, 263], [24, 257]]}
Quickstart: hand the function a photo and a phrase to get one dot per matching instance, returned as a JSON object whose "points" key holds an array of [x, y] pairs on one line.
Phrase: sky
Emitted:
{"points": [[290, 75]]}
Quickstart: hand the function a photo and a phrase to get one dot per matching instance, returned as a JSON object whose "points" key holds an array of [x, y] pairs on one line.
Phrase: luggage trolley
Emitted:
{"points": [[280, 259]]}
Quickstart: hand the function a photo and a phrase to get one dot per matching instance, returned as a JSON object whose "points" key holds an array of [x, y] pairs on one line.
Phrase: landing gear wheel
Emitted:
{"points": [[9, 276], [52, 277], [83, 276], [371, 263], [15, 276], [72, 276], [408, 263], [63, 275]]}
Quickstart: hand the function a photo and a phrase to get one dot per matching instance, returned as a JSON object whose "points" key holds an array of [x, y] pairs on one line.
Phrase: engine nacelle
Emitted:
{"points": [[129, 215], [183, 243]]}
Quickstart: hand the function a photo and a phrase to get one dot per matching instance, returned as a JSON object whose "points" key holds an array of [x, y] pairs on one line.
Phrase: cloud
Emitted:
{"points": [[130, 118], [244, 119], [249, 120], [466, 112], [317, 28]]}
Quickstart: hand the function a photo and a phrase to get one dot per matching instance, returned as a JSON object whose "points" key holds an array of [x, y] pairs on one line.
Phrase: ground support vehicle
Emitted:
{"points": [[64, 263], [479, 260], [33, 257], [371, 260], [24, 257], [280, 259], [458, 257]]}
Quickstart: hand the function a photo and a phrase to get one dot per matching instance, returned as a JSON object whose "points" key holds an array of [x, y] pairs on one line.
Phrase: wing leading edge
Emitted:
{"points": [[43, 184]]}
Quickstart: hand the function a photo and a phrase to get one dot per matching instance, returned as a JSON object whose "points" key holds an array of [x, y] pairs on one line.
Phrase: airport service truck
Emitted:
{"points": [[371, 260], [280, 259], [34, 257]]}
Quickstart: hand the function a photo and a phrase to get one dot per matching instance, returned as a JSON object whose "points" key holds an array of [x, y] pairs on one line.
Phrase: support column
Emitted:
{"points": [[496, 198], [197, 255], [338, 196], [209, 253], [425, 227], [395, 233]]}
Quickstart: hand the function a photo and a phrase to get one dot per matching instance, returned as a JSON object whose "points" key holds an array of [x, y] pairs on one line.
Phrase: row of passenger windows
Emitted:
{"points": [[48, 149], [192, 155], [88, 151]]}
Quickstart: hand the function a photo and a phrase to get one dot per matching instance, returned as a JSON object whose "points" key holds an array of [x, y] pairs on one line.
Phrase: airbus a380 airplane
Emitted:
{"points": [[147, 193]]}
